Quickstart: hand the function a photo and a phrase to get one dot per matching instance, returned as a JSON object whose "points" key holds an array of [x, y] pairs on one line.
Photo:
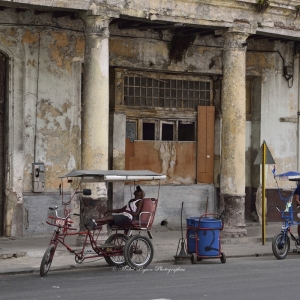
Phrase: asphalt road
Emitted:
{"points": [[240, 278]]}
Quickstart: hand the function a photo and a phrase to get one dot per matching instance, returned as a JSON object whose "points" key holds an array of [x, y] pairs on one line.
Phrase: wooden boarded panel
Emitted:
{"points": [[210, 136], [201, 140], [186, 161], [146, 157], [174, 159], [205, 146]]}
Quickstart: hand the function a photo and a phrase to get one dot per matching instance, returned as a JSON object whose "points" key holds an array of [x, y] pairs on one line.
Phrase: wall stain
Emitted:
{"points": [[30, 38], [61, 49]]}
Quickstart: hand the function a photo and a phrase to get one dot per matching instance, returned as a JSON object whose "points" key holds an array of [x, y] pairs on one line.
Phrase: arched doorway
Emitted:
{"points": [[3, 85]]}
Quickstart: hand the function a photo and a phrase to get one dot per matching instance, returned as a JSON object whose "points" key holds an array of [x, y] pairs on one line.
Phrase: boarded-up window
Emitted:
{"points": [[169, 137], [175, 159]]}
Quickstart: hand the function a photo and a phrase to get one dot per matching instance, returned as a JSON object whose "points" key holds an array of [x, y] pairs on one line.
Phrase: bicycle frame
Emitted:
{"points": [[287, 222], [62, 230]]}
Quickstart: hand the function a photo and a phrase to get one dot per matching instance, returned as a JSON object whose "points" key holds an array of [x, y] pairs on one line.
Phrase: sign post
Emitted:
{"points": [[264, 157]]}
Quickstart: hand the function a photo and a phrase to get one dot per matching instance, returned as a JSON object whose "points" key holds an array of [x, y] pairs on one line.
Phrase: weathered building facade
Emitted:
{"points": [[185, 88]]}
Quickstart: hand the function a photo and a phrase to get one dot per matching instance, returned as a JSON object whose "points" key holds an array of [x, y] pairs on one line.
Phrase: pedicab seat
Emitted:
{"points": [[146, 216]]}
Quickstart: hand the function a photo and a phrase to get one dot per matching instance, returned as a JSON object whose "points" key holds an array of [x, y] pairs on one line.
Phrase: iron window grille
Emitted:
{"points": [[167, 93]]}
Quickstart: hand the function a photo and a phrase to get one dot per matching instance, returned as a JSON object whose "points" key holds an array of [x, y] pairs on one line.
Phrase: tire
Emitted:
{"points": [[117, 239], [47, 260], [138, 251], [194, 258], [223, 258], [280, 246]]}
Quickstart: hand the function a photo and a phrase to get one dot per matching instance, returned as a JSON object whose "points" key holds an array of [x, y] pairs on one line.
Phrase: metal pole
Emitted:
{"points": [[263, 193]]}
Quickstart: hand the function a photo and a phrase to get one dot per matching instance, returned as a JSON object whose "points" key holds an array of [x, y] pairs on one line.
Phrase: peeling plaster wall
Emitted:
{"points": [[50, 73], [279, 101], [274, 100], [44, 107], [58, 104]]}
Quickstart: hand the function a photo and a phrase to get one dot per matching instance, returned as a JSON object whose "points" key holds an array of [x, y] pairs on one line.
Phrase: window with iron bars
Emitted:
{"points": [[167, 93]]}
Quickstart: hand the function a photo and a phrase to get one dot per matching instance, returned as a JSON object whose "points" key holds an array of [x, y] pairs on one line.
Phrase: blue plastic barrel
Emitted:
{"points": [[191, 234], [209, 237]]}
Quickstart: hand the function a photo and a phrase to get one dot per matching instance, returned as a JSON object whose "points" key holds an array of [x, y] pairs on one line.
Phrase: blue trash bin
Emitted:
{"points": [[208, 236], [191, 234]]}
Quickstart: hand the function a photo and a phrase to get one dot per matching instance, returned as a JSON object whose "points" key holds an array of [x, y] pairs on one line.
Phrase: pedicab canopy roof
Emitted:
{"points": [[114, 175], [291, 176]]}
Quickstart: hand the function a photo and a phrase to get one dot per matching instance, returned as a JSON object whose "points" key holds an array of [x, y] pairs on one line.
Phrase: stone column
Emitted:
{"points": [[118, 139], [232, 188], [95, 115]]}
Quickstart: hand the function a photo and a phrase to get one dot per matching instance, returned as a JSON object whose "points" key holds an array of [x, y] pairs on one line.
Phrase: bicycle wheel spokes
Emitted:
{"points": [[138, 251], [280, 245], [119, 240], [47, 260]]}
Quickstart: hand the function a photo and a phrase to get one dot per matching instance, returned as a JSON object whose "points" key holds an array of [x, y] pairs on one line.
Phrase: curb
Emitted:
{"points": [[62, 252], [84, 267]]}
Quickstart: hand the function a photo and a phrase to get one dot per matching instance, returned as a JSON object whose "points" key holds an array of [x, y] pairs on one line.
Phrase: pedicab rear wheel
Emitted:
{"points": [[120, 240], [47, 260], [280, 245], [138, 251]]}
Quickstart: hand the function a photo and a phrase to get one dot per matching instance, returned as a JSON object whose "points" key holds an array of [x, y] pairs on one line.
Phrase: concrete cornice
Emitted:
{"points": [[280, 19], [284, 4]]}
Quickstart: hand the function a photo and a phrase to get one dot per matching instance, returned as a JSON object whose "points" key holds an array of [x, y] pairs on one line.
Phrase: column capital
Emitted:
{"points": [[235, 37], [96, 25]]}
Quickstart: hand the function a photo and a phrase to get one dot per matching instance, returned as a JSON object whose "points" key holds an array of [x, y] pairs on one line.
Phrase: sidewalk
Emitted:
{"points": [[24, 255]]}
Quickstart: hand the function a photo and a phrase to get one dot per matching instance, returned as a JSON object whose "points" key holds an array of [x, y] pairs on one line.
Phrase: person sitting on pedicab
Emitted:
{"points": [[118, 216]]}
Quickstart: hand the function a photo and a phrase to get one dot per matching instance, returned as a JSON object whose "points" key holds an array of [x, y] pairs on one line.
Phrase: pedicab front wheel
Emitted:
{"points": [[47, 260], [138, 251], [280, 245]]}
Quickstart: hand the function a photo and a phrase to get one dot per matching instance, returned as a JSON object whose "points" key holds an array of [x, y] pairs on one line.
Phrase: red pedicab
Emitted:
{"points": [[122, 247]]}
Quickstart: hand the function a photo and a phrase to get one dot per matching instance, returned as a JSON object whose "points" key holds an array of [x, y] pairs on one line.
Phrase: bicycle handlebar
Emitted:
{"points": [[70, 214]]}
